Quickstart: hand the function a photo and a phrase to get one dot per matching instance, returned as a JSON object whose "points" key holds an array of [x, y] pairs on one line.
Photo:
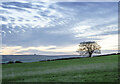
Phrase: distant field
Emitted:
{"points": [[95, 69]]}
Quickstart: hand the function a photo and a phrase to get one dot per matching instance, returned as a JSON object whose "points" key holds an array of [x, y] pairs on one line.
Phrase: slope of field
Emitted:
{"points": [[95, 69]]}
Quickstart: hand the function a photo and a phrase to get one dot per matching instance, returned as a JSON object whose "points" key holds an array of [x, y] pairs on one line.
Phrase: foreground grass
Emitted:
{"points": [[96, 69]]}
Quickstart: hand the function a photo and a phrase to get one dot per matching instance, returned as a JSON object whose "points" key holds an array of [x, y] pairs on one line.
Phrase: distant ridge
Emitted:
{"points": [[58, 58], [61, 55], [82, 57]]}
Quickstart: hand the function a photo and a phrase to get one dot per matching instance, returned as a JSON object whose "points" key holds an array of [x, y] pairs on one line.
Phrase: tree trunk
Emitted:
{"points": [[90, 54]]}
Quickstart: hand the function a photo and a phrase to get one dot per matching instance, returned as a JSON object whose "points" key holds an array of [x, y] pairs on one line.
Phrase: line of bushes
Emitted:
{"points": [[12, 62]]}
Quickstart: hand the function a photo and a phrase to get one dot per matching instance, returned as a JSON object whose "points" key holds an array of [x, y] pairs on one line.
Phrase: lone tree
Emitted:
{"points": [[89, 48]]}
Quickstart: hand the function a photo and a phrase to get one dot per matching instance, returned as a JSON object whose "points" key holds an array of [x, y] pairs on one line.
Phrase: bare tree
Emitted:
{"points": [[88, 48]]}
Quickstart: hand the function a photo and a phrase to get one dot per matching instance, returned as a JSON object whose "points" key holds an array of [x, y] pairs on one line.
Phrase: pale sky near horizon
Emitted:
{"points": [[30, 27]]}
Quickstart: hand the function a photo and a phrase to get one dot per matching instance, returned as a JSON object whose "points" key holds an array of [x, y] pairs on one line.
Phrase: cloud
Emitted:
{"points": [[38, 52], [61, 1], [33, 24], [28, 13], [109, 42]]}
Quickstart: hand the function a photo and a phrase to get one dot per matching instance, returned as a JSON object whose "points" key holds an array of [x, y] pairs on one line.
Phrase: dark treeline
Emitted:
{"points": [[11, 62]]}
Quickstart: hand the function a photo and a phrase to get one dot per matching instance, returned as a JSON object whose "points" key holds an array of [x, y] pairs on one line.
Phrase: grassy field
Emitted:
{"points": [[95, 69]]}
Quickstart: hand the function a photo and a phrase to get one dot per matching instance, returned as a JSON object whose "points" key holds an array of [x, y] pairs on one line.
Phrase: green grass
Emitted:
{"points": [[95, 69]]}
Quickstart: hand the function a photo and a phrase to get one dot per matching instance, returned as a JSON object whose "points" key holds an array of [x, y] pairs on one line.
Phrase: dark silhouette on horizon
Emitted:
{"points": [[89, 47]]}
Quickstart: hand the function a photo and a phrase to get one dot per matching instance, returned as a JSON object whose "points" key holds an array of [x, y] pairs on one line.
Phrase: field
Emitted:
{"points": [[95, 69]]}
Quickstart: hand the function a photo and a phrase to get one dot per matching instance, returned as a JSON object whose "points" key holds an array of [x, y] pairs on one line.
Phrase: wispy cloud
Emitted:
{"points": [[32, 24]]}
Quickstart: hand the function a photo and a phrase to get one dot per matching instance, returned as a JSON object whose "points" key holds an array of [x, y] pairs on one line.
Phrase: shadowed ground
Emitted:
{"points": [[96, 69]]}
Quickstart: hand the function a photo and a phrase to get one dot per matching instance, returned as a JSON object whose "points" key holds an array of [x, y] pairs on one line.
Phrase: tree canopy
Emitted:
{"points": [[89, 47]]}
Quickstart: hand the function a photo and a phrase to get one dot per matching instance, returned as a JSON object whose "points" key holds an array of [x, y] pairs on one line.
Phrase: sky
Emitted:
{"points": [[57, 28]]}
